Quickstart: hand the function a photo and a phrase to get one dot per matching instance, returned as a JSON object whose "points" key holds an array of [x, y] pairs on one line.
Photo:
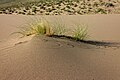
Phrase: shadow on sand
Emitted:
{"points": [[96, 43]]}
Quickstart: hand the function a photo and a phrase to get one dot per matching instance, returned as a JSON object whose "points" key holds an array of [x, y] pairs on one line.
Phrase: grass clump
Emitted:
{"points": [[37, 28], [80, 32], [43, 27], [59, 29]]}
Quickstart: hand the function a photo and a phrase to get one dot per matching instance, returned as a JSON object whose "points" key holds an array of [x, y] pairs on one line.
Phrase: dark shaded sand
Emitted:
{"points": [[60, 58]]}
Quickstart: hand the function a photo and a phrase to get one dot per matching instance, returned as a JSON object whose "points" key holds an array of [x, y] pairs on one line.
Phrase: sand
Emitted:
{"points": [[60, 7], [48, 58]]}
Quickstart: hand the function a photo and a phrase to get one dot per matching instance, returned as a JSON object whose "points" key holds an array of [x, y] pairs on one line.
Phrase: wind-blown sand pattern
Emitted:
{"points": [[61, 7], [52, 58]]}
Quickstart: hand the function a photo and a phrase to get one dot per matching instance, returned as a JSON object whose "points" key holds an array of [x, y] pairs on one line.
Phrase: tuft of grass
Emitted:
{"points": [[37, 28], [80, 32], [59, 29], [42, 27]]}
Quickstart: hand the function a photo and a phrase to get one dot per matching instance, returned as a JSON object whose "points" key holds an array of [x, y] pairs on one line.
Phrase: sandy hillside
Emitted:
{"points": [[48, 58]]}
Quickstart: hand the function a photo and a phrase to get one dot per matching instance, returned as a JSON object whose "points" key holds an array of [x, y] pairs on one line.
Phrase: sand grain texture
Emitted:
{"points": [[48, 58]]}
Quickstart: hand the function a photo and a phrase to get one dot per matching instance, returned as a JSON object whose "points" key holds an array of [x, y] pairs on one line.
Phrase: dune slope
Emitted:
{"points": [[49, 58]]}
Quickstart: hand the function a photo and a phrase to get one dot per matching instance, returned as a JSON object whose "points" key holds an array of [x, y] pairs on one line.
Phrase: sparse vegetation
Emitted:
{"points": [[43, 27], [37, 28], [59, 29], [80, 33]]}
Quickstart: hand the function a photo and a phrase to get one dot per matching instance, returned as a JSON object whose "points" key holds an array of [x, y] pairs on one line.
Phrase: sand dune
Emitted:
{"points": [[49, 58]]}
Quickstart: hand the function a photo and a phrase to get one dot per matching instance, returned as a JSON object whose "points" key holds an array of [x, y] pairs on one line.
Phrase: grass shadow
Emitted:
{"points": [[96, 43]]}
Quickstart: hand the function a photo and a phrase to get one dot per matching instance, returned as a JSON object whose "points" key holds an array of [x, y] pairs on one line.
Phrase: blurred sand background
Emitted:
{"points": [[59, 7]]}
